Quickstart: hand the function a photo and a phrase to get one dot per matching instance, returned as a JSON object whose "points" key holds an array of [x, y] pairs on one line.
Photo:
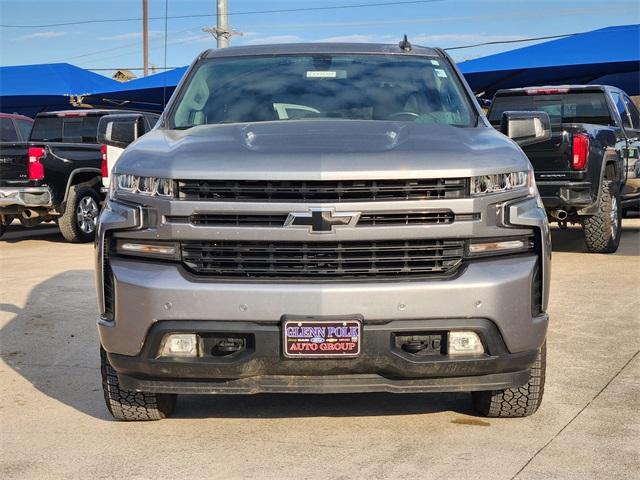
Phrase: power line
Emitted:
{"points": [[387, 22], [110, 49], [129, 68], [519, 40], [253, 12], [496, 42], [157, 47], [537, 13]]}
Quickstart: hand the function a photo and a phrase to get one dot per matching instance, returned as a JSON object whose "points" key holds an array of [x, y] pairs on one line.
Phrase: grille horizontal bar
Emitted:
{"points": [[278, 220], [321, 190], [245, 220], [413, 218], [323, 260]]}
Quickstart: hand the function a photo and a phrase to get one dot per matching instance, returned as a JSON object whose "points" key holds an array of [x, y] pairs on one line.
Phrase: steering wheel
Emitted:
{"points": [[406, 116]]}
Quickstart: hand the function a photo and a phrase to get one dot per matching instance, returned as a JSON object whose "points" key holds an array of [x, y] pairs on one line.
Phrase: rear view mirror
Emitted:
{"points": [[119, 130], [526, 128]]}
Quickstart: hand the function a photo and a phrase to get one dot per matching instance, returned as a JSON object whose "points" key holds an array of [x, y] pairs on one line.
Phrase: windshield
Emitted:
{"points": [[65, 129], [299, 87], [586, 107]]}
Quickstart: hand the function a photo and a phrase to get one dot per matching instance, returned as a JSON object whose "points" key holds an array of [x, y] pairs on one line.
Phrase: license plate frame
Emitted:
{"points": [[314, 343]]}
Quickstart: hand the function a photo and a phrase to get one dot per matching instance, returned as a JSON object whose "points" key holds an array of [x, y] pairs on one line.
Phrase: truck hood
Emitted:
{"points": [[321, 150]]}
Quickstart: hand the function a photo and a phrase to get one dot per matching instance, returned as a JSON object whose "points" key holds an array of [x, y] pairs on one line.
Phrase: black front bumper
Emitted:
{"points": [[381, 366]]}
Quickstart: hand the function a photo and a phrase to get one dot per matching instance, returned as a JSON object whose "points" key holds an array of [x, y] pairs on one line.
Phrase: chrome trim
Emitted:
{"points": [[19, 196], [87, 214]]}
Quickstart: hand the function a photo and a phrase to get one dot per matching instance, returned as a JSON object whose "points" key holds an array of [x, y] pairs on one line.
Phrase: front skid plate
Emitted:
{"points": [[328, 384]]}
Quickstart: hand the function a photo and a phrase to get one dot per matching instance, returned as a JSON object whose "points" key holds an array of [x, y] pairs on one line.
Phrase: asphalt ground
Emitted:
{"points": [[53, 422]]}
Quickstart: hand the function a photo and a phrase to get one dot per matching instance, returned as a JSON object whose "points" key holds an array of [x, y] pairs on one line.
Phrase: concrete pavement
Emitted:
{"points": [[53, 423]]}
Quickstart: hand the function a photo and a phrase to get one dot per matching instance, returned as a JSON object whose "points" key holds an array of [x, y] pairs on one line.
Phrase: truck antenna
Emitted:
{"points": [[404, 44]]}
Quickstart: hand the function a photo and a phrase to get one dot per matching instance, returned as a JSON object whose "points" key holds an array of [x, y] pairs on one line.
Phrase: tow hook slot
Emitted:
{"points": [[220, 346], [421, 344]]}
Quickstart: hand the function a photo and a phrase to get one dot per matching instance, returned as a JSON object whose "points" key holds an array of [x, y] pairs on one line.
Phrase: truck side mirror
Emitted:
{"points": [[119, 130], [526, 128]]}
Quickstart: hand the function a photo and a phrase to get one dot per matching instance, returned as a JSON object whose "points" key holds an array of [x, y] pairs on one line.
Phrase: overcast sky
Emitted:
{"points": [[445, 23]]}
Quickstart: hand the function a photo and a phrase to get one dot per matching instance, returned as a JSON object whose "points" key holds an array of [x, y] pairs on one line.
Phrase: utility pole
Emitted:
{"points": [[223, 24], [145, 35], [221, 31]]}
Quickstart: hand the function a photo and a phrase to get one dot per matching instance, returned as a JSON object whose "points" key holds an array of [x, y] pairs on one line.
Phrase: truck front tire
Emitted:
{"points": [[127, 405], [515, 402], [78, 223], [602, 231]]}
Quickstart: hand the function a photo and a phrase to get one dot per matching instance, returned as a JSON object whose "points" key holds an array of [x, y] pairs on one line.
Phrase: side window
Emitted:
{"points": [[7, 131], [633, 113], [25, 128], [619, 101]]}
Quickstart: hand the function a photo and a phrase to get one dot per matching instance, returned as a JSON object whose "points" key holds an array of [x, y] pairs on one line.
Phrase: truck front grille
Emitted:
{"points": [[321, 191], [323, 260]]}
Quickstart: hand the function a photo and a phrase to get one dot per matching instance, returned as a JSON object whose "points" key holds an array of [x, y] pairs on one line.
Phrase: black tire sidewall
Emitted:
{"points": [[68, 223], [614, 241], [597, 228]]}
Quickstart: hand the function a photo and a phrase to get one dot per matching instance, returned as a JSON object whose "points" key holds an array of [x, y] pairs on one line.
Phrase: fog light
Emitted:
{"points": [[464, 343], [180, 345]]}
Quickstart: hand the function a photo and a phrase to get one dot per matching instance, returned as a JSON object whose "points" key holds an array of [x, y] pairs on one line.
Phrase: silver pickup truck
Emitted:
{"points": [[323, 218]]}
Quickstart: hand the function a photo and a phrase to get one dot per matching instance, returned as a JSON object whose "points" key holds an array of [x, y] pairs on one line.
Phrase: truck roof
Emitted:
{"points": [[316, 48], [16, 116], [82, 112], [560, 88]]}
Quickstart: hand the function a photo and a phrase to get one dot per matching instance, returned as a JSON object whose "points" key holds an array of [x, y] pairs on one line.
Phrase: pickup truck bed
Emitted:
{"points": [[55, 175]]}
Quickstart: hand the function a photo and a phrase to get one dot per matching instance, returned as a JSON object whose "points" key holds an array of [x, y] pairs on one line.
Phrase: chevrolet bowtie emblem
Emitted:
{"points": [[319, 220]]}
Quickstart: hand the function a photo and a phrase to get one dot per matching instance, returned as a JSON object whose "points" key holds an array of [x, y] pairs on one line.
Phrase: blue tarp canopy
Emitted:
{"points": [[146, 93], [609, 56], [29, 89]]}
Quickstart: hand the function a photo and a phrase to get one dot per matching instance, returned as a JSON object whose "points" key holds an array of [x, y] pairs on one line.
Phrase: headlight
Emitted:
{"points": [[502, 182], [150, 186]]}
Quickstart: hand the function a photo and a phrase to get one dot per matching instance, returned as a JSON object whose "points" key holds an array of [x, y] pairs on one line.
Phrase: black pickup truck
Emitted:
{"points": [[585, 173], [56, 174]]}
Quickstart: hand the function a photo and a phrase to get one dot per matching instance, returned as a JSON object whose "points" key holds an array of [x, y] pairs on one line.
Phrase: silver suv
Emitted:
{"points": [[323, 218]]}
